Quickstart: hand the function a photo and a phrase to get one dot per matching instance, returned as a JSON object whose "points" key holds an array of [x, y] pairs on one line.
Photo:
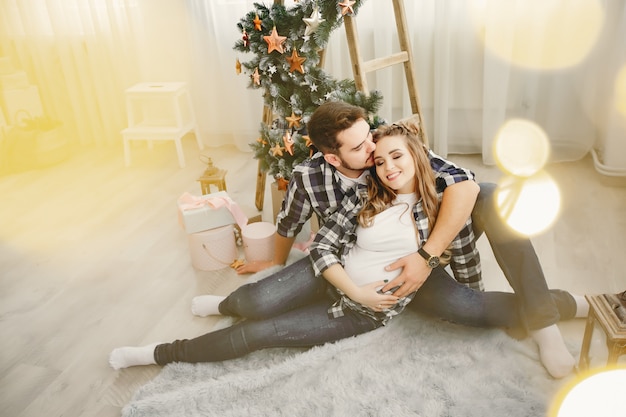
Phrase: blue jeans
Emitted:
{"points": [[518, 260], [290, 309]]}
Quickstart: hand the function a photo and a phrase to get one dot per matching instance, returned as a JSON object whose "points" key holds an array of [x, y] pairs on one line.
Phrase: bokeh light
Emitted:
{"points": [[529, 205], [538, 34], [521, 148], [597, 394]]}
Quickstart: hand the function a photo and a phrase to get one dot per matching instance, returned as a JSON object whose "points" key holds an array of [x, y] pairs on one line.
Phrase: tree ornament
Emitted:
{"points": [[277, 150], [346, 7], [237, 263], [282, 183], [238, 66], [275, 42], [293, 120], [246, 39], [313, 22], [288, 140], [256, 77], [295, 62], [257, 23]]}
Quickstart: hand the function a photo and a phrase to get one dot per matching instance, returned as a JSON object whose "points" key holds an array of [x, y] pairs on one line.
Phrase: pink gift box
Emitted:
{"points": [[213, 249], [258, 241]]}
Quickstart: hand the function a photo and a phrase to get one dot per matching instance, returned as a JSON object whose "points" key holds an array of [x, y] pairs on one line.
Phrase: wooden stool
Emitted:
{"points": [[216, 179], [159, 111], [602, 310]]}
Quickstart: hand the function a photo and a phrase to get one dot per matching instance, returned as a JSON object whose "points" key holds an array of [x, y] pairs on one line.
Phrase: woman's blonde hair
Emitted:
{"points": [[381, 196]]}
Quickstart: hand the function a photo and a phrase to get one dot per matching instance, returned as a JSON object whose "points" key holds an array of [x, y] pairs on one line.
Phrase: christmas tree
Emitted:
{"points": [[285, 45]]}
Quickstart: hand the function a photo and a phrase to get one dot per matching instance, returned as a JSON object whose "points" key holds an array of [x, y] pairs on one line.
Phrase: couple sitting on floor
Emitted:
{"points": [[392, 215]]}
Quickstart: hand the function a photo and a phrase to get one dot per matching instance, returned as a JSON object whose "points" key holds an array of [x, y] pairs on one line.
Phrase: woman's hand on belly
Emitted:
{"points": [[369, 296]]}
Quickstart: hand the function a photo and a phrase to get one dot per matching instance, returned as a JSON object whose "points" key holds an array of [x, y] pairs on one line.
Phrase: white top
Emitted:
{"points": [[383, 243]]}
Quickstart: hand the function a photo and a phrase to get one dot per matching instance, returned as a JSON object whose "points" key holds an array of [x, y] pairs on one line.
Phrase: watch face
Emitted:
{"points": [[433, 262]]}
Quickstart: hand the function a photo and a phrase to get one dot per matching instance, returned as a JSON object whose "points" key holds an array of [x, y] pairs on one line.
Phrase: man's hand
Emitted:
{"points": [[254, 266], [414, 274]]}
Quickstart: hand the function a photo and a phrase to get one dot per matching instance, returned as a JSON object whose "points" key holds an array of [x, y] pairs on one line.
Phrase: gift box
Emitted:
{"points": [[210, 211], [258, 241], [213, 249]]}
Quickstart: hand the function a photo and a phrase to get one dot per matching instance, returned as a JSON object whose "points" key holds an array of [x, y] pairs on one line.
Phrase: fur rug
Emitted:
{"points": [[416, 366]]}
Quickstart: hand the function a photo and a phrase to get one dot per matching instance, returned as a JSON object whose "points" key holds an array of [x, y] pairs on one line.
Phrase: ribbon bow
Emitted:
{"points": [[188, 201]]}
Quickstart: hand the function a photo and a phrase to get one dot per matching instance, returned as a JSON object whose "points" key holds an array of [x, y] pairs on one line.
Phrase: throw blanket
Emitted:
{"points": [[416, 366]]}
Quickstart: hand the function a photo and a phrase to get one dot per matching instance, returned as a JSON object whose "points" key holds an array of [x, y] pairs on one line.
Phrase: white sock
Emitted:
{"points": [[553, 353], [206, 305], [582, 306], [132, 356]]}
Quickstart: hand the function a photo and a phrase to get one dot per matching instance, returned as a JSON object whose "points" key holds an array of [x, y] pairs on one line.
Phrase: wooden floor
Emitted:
{"points": [[92, 257]]}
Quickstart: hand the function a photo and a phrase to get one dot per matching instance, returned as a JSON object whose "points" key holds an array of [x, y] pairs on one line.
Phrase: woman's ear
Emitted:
{"points": [[332, 159]]}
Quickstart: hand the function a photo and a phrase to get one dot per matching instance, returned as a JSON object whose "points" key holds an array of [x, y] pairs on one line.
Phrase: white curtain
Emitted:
{"points": [[478, 64], [79, 55]]}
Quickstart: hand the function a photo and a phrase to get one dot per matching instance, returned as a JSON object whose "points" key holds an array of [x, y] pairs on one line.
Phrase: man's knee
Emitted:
{"points": [[484, 207]]}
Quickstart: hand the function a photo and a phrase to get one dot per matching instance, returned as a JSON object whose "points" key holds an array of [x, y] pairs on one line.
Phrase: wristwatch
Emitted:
{"points": [[431, 261]]}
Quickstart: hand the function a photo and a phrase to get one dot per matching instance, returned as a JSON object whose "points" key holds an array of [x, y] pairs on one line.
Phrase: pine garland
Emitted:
{"points": [[293, 91]]}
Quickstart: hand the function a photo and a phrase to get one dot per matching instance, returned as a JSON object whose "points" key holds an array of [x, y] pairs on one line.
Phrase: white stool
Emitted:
{"points": [[159, 111]]}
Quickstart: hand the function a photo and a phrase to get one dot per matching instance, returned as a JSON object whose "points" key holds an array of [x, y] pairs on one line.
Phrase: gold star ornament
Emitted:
{"points": [[282, 183], [257, 23], [275, 42], [288, 140], [237, 263], [346, 7], [277, 150], [295, 62], [293, 120], [256, 77]]}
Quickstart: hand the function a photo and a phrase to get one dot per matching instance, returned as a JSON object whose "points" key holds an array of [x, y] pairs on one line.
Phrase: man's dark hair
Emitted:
{"points": [[328, 120]]}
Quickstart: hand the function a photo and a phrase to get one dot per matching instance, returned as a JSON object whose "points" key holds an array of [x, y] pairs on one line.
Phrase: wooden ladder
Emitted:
{"points": [[361, 68]]}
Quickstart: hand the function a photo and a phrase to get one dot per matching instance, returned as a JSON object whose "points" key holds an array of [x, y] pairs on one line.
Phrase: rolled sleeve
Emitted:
{"points": [[296, 208]]}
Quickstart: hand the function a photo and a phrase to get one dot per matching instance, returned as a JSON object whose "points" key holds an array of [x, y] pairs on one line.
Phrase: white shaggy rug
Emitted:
{"points": [[416, 366]]}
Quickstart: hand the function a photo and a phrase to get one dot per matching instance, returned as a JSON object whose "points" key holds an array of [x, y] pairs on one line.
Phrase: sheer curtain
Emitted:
{"points": [[478, 64], [80, 55]]}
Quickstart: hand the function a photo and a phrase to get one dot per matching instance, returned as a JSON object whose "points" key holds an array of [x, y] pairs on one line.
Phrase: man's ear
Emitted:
{"points": [[332, 159]]}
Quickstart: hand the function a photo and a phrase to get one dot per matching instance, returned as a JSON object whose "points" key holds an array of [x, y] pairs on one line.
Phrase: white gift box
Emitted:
{"points": [[210, 211]]}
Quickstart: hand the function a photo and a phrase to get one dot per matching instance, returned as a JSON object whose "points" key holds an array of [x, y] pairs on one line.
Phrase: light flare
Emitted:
{"points": [[597, 393], [538, 34], [521, 148], [529, 205]]}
